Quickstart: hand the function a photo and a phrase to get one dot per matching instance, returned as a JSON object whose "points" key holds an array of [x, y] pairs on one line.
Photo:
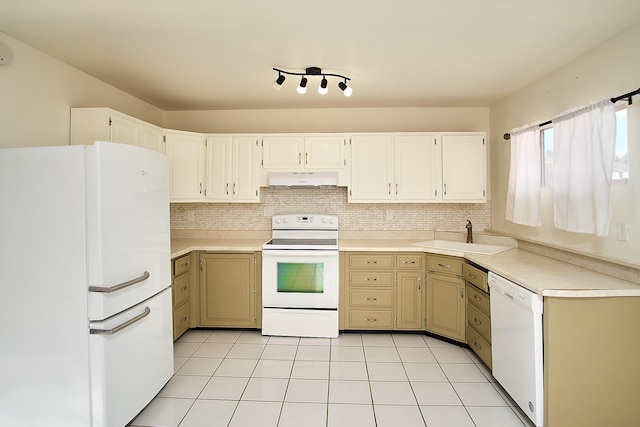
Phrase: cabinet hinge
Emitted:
{"points": [[436, 193], [256, 142], [350, 141], [205, 142], [110, 121], [262, 142], [344, 142], [484, 194], [395, 321], [254, 261], [482, 141], [164, 138], [262, 162], [435, 141], [256, 193], [255, 289], [345, 162], [201, 265]]}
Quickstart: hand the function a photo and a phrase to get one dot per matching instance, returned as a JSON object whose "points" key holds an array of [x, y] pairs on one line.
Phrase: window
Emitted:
{"points": [[621, 158]]}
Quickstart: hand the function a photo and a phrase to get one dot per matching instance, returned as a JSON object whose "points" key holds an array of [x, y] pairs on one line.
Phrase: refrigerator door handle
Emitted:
{"points": [[121, 326], [122, 285]]}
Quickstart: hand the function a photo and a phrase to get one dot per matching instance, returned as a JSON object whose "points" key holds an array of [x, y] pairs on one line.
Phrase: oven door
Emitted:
{"points": [[300, 279]]}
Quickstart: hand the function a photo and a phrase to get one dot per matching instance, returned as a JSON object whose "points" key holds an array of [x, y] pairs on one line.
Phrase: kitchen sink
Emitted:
{"points": [[476, 248]]}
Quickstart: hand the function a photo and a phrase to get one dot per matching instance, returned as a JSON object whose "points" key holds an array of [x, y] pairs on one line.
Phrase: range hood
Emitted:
{"points": [[303, 180]]}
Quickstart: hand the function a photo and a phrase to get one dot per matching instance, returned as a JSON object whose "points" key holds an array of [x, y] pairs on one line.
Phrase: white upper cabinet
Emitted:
{"points": [[418, 168], [186, 166], [394, 168], [371, 168], [283, 152], [232, 168], [324, 152], [104, 124], [464, 176]]}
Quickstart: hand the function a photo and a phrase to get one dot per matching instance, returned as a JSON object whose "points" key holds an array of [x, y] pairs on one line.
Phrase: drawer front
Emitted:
{"points": [[445, 264], [476, 276], [180, 320], [371, 298], [479, 299], [479, 346], [479, 321], [181, 290], [370, 279], [371, 261], [371, 319], [182, 264], [409, 261]]}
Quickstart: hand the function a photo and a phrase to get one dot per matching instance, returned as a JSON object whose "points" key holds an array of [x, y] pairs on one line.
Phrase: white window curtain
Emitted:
{"points": [[584, 142], [523, 193]]}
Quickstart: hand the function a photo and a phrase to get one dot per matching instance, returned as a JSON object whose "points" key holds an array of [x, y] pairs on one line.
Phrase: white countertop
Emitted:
{"points": [[542, 275]]}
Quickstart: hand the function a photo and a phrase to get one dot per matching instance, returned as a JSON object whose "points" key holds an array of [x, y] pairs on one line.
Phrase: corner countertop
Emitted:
{"points": [[539, 274], [182, 246]]}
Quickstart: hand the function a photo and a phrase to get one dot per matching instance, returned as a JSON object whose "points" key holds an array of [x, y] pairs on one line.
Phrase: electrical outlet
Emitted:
{"points": [[622, 231], [267, 211], [191, 216], [389, 214]]}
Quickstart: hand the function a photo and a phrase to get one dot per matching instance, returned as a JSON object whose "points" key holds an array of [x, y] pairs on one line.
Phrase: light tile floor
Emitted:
{"points": [[242, 379]]}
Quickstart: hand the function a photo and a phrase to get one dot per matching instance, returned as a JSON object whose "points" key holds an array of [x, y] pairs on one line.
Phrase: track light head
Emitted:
{"points": [[346, 90], [302, 89], [322, 89], [277, 85]]}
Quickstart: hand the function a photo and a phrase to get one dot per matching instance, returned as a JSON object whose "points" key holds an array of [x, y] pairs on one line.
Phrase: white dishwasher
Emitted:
{"points": [[516, 344]]}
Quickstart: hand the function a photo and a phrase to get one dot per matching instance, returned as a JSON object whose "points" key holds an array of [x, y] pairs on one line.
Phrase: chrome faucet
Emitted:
{"points": [[469, 228]]}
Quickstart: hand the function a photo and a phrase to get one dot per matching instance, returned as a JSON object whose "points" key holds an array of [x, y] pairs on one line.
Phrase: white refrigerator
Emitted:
{"points": [[85, 304]]}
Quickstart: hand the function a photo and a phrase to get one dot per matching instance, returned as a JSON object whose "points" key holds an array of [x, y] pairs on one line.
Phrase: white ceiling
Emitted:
{"points": [[219, 54]]}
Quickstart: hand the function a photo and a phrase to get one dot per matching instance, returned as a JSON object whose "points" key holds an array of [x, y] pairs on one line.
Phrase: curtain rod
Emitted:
{"points": [[628, 96]]}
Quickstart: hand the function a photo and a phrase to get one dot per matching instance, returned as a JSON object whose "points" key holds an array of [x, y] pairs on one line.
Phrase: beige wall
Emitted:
{"points": [[37, 92], [610, 69], [445, 119]]}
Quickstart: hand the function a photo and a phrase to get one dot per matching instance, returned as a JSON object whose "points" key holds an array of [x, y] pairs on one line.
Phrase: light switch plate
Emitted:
{"points": [[622, 231]]}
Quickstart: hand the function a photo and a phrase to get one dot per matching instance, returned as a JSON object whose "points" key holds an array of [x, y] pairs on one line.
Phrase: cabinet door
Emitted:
{"points": [[416, 168], [282, 152], [445, 305], [218, 166], [371, 168], [152, 137], [324, 152], [463, 168], [124, 130], [244, 169], [186, 166], [227, 290], [409, 302]]}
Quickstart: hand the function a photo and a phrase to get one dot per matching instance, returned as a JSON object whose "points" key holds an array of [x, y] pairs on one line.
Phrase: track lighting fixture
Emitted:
{"points": [[346, 90], [302, 89], [313, 71], [322, 89], [277, 85]]}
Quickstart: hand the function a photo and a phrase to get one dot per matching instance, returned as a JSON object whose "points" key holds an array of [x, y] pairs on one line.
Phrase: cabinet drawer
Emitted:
{"points": [[371, 261], [182, 264], [371, 279], [371, 319], [479, 299], [181, 289], [479, 321], [180, 320], [445, 264], [371, 298], [479, 346], [476, 276], [409, 261]]}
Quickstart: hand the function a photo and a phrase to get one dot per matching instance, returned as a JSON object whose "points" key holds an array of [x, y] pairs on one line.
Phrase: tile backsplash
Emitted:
{"points": [[352, 216]]}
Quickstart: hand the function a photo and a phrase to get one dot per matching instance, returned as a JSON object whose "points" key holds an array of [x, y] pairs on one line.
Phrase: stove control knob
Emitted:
{"points": [[331, 221], [285, 220], [277, 220], [324, 220]]}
